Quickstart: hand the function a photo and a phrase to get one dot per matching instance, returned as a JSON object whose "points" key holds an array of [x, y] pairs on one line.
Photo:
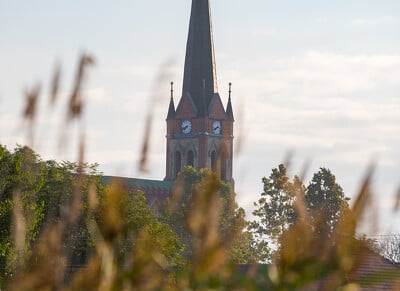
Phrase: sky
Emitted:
{"points": [[315, 80]]}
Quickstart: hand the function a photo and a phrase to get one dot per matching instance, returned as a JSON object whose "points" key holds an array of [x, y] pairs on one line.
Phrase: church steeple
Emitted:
{"points": [[200, 79], [200, 129]]}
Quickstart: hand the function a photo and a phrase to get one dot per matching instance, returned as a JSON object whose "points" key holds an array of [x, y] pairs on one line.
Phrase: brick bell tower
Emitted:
{"points": [[200, 130]]}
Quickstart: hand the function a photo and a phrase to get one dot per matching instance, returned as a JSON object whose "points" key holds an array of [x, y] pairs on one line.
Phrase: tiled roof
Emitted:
{"points": [[374, 272], [371, 272]]}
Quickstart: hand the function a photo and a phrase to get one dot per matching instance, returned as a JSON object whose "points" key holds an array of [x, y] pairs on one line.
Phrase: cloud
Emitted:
{"points": [[375, 21], [336, 108], [320, 76], [316, 73], [263, 32], [132, 71], [341, 110], [141, 71]]}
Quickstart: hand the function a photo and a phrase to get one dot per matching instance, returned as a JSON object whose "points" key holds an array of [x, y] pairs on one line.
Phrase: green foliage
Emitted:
{"points": [[275, 211], [67, 218], [20, 177], [326, 201], [282, 200], [116, 242], [190, 194], [123, 218], [40, 190]]}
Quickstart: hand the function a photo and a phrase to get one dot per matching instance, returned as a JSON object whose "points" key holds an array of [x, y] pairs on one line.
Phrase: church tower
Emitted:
{"points": [[200, 129]]}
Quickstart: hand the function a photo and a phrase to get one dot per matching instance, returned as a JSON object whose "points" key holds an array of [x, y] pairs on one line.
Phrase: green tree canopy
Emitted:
{"points": [[37, 197], [282, 198], [34, 193], [275, 211], [325, 201], [201, 199]]}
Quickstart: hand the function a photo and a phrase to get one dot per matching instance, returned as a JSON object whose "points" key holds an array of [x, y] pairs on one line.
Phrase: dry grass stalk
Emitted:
{"points": [[51, 241], [19, 230], [31, 102], [364, 196], [76, 101], [163, 75], [144, 154], [241, 131], [211, 251], [45, 267], [55, 85], [75, 104], [75, 204], [30, 110], [397, 201], [304, 256]]}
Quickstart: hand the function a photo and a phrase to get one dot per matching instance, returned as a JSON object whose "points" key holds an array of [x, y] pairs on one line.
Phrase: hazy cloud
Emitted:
{"points": [[342, 110], [262, 32], [375, 21]]}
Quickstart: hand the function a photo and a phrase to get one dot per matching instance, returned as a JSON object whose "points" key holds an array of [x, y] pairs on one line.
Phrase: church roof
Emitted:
{"points": [[154, 190], [200, 79], [136, 183]]}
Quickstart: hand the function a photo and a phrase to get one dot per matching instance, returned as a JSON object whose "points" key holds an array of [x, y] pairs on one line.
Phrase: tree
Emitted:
{"points": [[34, 194], [43, 232], [20, 179], [275, 211], [389, 247], [124, 218], [202, 203], [326, 202]]}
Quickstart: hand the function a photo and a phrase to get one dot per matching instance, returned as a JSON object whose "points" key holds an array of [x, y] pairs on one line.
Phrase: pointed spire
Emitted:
{"points": [[200, 80], [229, 110], [171, 109]]}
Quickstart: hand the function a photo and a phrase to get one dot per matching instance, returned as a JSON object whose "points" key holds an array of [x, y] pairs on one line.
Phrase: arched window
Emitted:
{"points": [[214, 161], [190, 158], [178, 163], [223, 165]]}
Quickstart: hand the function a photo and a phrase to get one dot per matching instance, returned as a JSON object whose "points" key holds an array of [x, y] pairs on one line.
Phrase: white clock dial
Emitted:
{"points": [[186, 126], [217, 127]]}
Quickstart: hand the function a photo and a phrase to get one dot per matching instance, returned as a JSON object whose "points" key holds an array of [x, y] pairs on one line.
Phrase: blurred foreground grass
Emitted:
{"points": [[63, 229]]}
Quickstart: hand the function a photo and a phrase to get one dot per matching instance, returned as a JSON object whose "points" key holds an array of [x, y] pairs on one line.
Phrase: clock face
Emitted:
{"points": [[217, 127], [186, 126]]}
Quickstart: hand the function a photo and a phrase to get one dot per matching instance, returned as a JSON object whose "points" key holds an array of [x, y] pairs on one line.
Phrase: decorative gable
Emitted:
{"points": [[186, 108], [216, 108]]}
